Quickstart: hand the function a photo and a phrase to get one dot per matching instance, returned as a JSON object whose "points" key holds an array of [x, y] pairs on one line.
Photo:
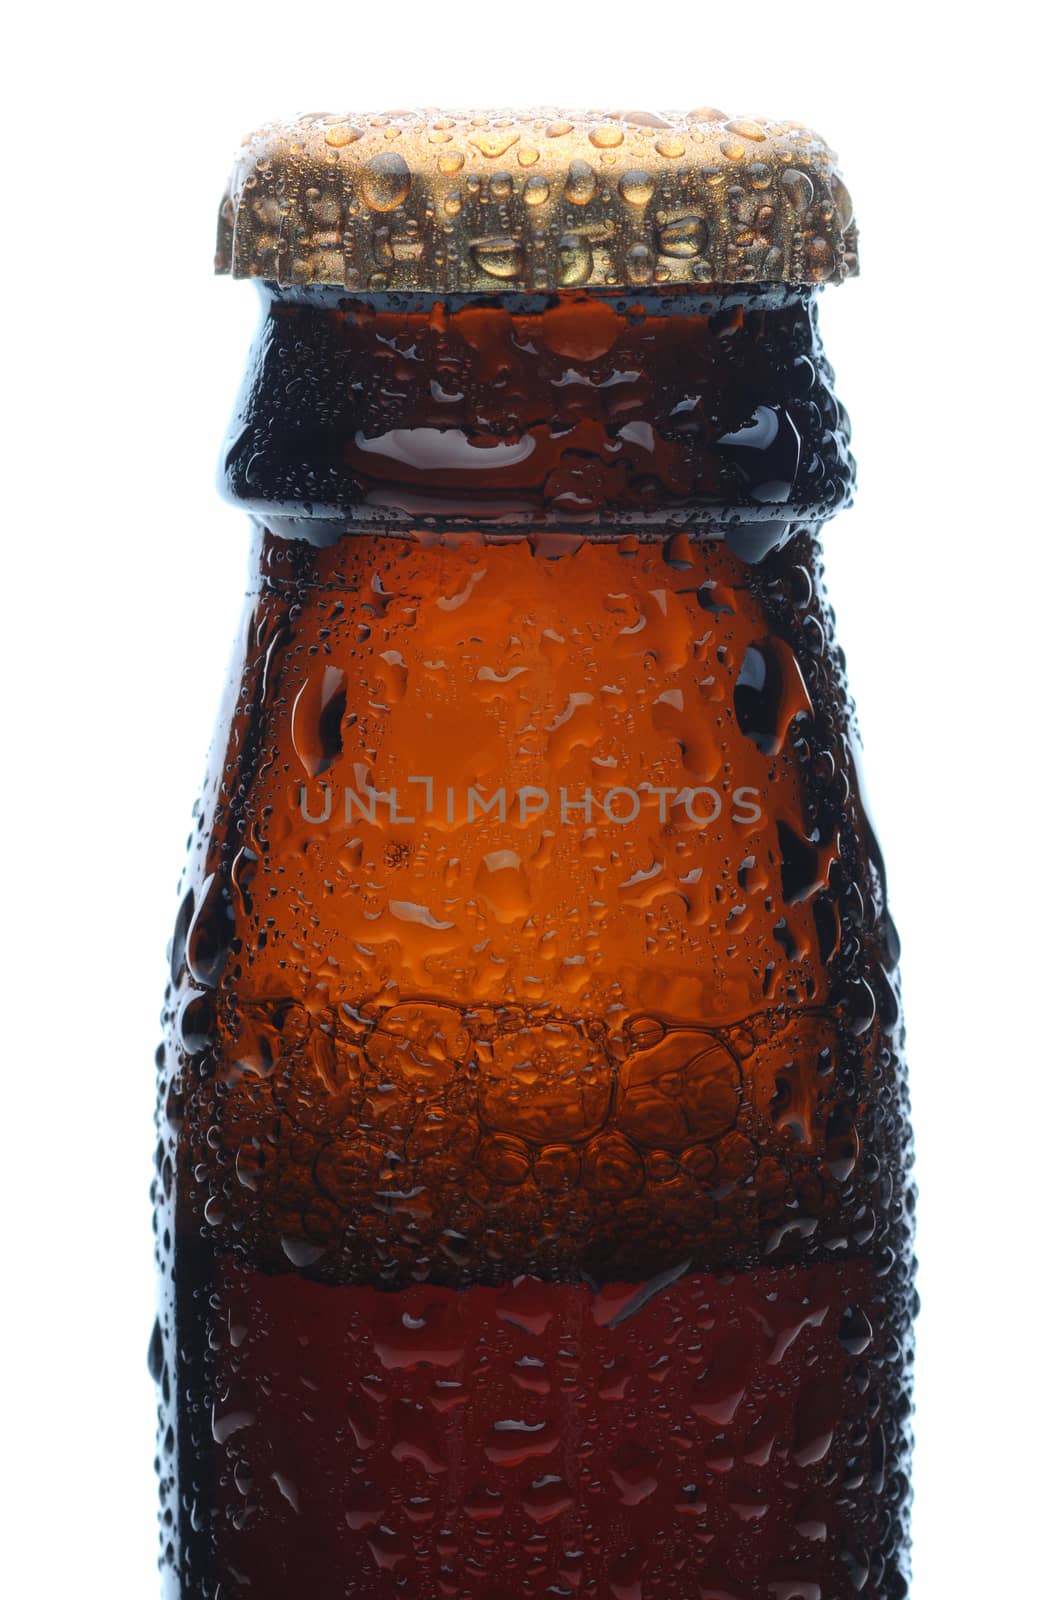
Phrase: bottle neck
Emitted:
{"points": [[590, 412]]}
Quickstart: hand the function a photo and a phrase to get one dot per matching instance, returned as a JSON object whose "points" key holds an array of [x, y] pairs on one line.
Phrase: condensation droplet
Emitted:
{"points": [[842, 201], [498, 258], [493, 145], [819, 260], [799, 187], [746, 129], [636, 188], [580, 186], [856, 1332], [575, 259], [385, 181], [155, 1356], [317, 715], [340, 135], [536, 191], [639, 263], [645, 119], [300, 1253], [683, 237]]}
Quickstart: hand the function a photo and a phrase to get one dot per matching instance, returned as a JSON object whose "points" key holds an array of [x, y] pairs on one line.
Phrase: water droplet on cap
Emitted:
{"points": [[819, 260], [683, 237], [493, 145], [581, 183], [842, 201], [385, 181], [498, 258], [799, 187], [645, 119], [746, 129], [636, 188], [341, 134], [575, 259], [639, 263]]}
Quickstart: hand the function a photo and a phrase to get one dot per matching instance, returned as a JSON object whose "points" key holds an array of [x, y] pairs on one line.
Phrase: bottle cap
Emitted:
{"points": [[470, 202]]}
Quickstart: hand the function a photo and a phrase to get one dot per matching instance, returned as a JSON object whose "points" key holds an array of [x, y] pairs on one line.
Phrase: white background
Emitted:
{"points": [[123, 581]]}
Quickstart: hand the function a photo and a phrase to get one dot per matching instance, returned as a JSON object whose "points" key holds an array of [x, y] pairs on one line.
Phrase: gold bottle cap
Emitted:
{"points": [[469, 202]]}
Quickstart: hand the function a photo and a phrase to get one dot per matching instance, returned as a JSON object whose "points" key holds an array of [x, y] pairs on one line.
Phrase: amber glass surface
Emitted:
{"points": [[533, 1193]]}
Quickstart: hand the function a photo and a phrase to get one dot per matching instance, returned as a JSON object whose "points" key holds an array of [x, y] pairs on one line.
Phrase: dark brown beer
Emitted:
{"points": [[533, 1193]]}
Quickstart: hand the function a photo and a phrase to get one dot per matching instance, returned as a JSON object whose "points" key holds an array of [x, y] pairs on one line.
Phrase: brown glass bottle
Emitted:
{"points": [[533, 1181]]}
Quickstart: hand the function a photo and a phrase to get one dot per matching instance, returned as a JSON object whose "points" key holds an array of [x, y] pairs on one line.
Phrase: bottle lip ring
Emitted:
{"points": [[537, 201]]}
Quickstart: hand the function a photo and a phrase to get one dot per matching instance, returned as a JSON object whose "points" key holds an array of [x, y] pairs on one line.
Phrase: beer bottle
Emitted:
{"points": [[533, 1193]]}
